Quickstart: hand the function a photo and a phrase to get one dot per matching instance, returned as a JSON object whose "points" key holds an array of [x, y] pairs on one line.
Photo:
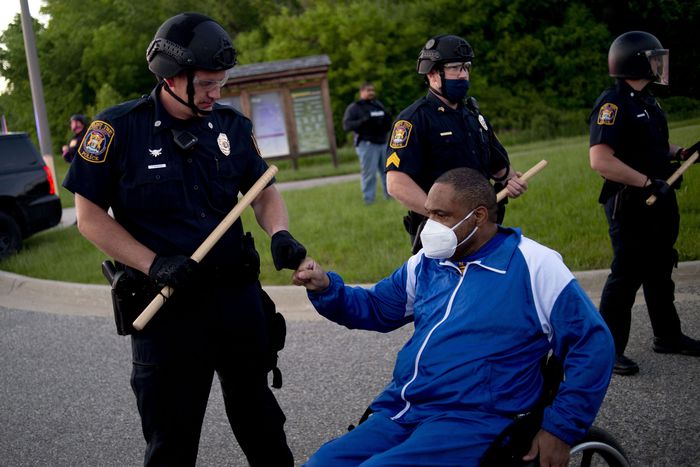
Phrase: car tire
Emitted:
{"points": [[10, 236]]}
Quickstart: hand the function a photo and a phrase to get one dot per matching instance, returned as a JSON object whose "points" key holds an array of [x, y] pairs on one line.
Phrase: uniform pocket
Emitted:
{"points": [[155, 189]]}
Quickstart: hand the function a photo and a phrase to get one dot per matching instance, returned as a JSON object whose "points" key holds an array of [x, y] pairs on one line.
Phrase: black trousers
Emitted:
{"points": [[206, 330], [643, 255]]}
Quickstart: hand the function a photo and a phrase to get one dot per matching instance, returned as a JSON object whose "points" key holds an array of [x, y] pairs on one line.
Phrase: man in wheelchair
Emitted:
{"points": [[488, 304]]}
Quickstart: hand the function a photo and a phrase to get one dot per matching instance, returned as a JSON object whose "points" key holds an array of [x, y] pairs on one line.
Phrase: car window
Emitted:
{"points": [[17, 153]]}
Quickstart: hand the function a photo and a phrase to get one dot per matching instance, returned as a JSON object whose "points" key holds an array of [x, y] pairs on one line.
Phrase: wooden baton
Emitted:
{"points": [[526, 176], [674, 176], [157, 302]]}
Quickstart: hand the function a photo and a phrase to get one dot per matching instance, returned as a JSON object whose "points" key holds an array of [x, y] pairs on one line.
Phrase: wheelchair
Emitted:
{"points": [[596, 448]]}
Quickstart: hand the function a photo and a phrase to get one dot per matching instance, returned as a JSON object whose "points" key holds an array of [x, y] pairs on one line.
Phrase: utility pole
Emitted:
{"points": [[42, 123]]}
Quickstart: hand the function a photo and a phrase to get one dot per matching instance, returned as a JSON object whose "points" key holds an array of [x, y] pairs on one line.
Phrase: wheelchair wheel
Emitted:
{"points": [[598, 448]]}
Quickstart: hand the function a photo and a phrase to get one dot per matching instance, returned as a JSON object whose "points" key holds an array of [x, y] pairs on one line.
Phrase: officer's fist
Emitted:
{"points": [[286, 251], [658, 187], [172, 271], [684, 154]]}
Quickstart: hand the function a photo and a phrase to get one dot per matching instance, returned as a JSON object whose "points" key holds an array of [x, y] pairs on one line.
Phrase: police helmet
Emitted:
{"points": [[78, 118], [443, 49], [638, 55], [190, 41]]}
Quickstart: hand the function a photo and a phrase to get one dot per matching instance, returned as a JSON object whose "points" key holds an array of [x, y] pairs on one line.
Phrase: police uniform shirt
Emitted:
{"points": [[429, 138], [634, 126], [168, 198]]}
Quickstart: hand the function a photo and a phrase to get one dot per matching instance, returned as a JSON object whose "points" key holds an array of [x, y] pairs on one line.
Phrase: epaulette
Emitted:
{"points": [[472, 104], [124, 108], [408, 112], [229, 109]]}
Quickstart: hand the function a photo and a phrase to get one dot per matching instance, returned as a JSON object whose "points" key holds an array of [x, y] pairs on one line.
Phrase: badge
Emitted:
{"points": [[393, 159], [96, 142], [155, 152], [224, 145], [607, 114], [482, 120], [400, 135]]}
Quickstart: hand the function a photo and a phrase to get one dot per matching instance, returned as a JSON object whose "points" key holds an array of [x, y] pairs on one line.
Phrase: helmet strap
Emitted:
{"points": [[439, 91], [190, 95]]}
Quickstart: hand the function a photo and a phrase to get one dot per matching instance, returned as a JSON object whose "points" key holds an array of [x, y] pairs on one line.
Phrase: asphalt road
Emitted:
{"points": [[65, 397]]}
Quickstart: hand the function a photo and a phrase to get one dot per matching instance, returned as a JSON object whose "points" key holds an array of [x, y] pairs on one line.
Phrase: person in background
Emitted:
{"points": [[78, 125], [370, 122], [630, 149], [441, 131]]}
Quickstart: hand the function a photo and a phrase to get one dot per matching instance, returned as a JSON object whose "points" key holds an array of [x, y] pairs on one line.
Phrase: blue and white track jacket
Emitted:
{"points": [[481, 335]]}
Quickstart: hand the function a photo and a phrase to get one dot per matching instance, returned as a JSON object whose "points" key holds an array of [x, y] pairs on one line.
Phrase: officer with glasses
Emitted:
{"points": [[171, 165], [441, 131]]}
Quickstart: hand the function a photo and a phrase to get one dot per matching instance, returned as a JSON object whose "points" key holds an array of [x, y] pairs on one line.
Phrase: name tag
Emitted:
{"points": [[446, 133], [156, 166], [376, 113]]}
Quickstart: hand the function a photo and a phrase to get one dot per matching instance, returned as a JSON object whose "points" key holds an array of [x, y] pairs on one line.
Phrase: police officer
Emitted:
{"points": [[442, 131], [78, 126], [171, 165], [370, 122], [629, 147]]}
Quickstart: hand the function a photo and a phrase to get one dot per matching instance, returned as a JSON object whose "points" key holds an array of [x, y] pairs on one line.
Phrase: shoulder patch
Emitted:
{"points": [[400, 134], [607, 114], [96, 142]]}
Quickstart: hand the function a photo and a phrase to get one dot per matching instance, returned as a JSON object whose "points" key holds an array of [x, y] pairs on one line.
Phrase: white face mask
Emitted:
{"points": [[440, 241]]}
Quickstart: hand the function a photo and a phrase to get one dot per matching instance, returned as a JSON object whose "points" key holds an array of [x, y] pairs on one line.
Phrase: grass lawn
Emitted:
{"points": [[365, 243]]}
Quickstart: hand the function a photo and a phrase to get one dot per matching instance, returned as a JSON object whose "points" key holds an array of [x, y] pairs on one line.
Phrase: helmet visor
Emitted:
{"points": [[658, 62]]}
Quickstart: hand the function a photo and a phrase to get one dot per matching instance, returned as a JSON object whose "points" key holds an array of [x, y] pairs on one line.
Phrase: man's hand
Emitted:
{"points": [[311, 275], [172, 270], [516, 186], [684, 154], [286, 251], [658, 187], [553, 451]]}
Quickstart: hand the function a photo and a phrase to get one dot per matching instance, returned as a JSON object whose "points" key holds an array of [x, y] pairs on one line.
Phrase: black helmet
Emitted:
{"points": [[638, 55], [78, 118], [190, 41], [443, 49]]}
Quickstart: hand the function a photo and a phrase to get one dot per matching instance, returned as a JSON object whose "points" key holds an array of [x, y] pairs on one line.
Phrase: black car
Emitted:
{"points": [[28, 200]]}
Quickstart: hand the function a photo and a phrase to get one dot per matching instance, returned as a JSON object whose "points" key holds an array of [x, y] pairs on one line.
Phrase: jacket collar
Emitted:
{"points": [[496, 254]]}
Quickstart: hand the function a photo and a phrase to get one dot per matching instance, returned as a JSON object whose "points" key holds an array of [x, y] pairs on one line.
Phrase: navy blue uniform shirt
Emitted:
{"points": [[429, 138], [168, 198], [634, 126]]}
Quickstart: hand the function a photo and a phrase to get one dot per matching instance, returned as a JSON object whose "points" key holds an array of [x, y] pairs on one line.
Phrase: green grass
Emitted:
{"points": [[365, 243]]}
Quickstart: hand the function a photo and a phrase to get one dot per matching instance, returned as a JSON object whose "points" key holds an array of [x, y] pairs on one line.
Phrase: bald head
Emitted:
{"points": [[471, 189]]}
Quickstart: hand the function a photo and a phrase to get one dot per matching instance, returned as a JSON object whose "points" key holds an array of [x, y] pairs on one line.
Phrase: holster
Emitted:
{"points": [[131, 294]]}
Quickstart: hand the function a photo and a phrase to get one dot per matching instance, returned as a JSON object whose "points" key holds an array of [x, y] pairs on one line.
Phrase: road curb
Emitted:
{"points": [[27, 293]]}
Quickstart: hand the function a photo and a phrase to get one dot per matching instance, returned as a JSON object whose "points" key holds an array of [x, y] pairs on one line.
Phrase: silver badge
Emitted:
{"points": [[224, 145], [482, 120], [155, 152]]}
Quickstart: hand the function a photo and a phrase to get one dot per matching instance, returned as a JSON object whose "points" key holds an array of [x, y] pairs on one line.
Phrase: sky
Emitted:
{"points": [[8, 10]]}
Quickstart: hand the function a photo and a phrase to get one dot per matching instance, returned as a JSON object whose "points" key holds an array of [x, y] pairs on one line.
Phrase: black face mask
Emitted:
{"points": [[455, 90]]}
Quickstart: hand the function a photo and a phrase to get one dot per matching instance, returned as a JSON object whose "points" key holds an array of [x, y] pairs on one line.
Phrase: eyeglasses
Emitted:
{"points": [[208, 84], [457, 68]]}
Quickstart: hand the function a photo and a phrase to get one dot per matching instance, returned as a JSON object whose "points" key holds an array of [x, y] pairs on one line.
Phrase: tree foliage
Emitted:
{"points": [[538, 66]]}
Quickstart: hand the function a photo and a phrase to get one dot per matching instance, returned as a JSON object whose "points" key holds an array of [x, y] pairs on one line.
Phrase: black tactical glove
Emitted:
{"points": [[658, 187], [172, 270], [684, 154], [286, 252]]}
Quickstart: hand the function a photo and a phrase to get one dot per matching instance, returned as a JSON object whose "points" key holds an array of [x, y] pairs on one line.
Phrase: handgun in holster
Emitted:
{"points": [[131, 294]]}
